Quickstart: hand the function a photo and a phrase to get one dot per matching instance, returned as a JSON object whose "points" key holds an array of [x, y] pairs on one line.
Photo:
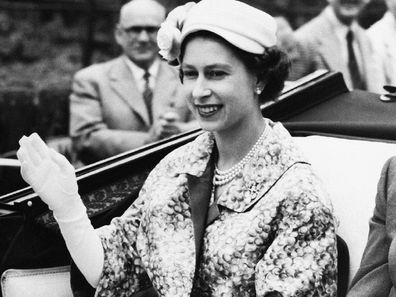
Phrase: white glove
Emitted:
{"points": [[51, 176]]}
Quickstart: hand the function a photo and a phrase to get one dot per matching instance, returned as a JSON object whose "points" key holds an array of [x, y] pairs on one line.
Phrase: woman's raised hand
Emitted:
{"points": [[50, 175], [54, 180]]}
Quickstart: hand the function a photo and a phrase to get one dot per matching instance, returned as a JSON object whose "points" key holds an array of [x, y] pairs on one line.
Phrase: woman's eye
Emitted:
{"points": [[215, 73], [189, 74]]}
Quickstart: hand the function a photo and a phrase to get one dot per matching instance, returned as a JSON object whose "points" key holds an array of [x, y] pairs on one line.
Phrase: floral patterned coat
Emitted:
{"points": [[272, 230]]}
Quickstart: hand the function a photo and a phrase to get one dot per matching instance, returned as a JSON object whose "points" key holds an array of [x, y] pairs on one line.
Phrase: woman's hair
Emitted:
{"points": [[272, 66]]}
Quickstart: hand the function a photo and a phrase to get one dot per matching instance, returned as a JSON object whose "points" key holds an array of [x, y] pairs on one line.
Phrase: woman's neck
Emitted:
{"points": [[235, 144]]}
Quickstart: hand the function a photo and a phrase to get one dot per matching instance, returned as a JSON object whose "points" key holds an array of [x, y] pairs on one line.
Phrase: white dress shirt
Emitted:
{"points": [[138, 74]]}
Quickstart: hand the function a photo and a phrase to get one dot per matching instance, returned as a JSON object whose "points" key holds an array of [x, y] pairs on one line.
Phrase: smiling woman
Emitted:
{"points": [[215, 87], [236, 212], [228, 75]]}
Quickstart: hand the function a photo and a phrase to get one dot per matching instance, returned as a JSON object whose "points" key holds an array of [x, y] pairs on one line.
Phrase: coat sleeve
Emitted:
{"points": [[302, 259], [123, 273], [92, 138], [372, 277]]}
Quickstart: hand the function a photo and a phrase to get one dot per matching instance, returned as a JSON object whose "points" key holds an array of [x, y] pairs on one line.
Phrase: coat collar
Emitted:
{"points": [[274, 158]]}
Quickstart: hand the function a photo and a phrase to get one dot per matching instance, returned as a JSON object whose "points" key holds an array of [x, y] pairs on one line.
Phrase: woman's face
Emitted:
{"points": [[219, 88]]}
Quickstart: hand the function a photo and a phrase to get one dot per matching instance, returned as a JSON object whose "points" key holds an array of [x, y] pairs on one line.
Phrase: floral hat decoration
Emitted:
{"points": [[242, 25]]}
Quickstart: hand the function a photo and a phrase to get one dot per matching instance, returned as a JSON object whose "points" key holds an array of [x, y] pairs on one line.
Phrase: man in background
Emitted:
{"points": [[343, 45], [303, 58], [131, 100], [383, 37]]}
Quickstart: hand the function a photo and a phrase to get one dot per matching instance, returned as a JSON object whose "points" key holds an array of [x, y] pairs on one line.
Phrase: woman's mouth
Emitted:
{"points": [[207, 110]]}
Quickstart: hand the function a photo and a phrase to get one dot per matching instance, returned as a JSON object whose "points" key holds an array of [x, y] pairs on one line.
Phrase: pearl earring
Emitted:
{"points": [[258, 90]]}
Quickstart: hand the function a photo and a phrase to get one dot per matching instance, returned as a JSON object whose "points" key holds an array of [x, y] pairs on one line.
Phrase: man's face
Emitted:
{"points": [[347, 10], [137, 31]]}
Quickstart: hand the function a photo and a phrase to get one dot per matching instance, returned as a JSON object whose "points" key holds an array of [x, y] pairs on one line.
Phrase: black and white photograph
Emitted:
{"points": [[214, 148]]}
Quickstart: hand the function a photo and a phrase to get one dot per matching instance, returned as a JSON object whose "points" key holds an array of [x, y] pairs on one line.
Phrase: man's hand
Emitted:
{"points": [[167, 125]]}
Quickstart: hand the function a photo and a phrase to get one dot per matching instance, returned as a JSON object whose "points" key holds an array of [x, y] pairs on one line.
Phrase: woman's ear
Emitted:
{"points": [[260, 85]]}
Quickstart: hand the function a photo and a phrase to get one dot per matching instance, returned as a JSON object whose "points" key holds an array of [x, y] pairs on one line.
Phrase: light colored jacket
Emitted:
{"points": [[108, 114], [272, 229], [383, 37], [319, 32]]}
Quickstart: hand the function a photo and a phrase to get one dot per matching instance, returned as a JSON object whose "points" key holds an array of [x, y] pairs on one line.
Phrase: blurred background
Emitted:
{"points": [[44, 42]]}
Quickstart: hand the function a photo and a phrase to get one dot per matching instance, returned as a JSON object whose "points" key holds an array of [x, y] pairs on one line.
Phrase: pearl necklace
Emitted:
{"points": [[223, 177]]}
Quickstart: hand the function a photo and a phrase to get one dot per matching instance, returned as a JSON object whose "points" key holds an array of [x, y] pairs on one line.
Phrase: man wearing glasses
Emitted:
{"points": [[131, 100]]}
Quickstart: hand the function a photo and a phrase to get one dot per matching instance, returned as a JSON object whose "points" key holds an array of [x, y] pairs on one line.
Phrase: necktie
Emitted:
{"points": [[357, 81], [148, 95]]}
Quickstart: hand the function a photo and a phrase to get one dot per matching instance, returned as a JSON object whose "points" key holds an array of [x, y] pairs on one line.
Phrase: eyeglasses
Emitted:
{"points": [[136, 30]]}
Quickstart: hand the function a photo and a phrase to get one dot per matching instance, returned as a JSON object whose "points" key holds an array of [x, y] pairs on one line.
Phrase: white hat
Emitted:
{"points": [[242, 25]]}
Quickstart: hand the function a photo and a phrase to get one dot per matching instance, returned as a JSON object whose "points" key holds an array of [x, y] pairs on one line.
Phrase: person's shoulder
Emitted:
{"points": [[191, 157], [169, 70], [392, 161], [390, 166], [97, 69], [364, 38], [309, 188], [377, 30], [375, 27], [386, 188], [202, 143], [313, 29]]}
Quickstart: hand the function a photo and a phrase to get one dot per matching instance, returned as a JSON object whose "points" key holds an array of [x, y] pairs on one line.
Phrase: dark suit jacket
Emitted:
{"points": [[377, 273], [108, 114]]}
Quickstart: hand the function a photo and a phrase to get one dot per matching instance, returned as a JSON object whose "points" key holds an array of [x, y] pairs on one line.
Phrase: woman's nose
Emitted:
{"points": [[200, 89]]}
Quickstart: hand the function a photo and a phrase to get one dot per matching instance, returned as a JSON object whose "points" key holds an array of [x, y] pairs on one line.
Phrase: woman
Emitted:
{"points": [[238, 211]]}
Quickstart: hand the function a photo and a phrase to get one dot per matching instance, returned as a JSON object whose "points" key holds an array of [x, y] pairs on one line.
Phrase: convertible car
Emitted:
{"points": [[346, 135]]}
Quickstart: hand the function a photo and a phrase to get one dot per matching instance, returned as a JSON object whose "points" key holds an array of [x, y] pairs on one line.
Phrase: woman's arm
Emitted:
{"points": [[53, 178], [302, 259]]}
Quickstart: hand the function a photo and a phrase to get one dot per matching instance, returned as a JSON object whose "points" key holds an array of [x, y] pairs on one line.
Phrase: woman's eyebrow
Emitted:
{"points": [[219, 65], [210, 66]]}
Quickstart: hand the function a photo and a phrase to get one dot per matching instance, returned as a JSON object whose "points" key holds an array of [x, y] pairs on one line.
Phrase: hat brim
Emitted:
{"points": [[235, 39]]}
